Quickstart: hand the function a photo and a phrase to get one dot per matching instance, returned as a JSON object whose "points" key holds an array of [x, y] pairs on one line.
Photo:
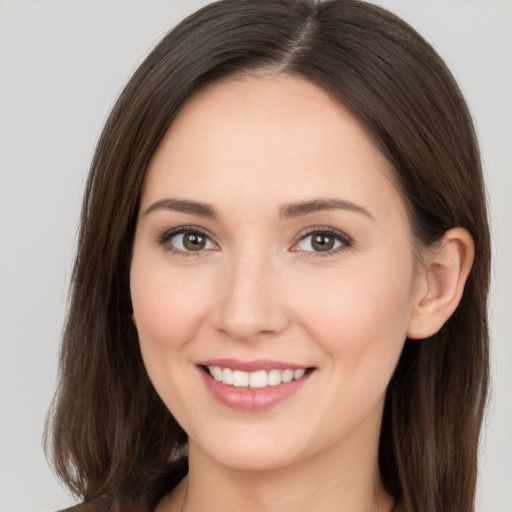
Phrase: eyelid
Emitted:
{"points": [[346, 241], [170, 233]]}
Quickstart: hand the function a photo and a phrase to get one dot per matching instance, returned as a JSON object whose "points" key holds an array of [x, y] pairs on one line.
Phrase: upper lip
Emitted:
{"points": [[252, 366]]}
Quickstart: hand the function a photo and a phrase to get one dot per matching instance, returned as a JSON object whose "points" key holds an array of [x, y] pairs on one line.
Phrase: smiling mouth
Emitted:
{"points": [[255, 380]]}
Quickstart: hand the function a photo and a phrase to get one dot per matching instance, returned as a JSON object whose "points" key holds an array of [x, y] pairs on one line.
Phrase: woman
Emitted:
{"points": [[279, 297]]}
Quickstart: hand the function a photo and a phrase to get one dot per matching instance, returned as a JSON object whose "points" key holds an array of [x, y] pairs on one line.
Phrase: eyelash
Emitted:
{"points": [[168, 235], [345, 241]]}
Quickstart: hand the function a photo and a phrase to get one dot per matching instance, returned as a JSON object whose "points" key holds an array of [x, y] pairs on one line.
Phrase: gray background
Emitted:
{"points": [[62, 64]]}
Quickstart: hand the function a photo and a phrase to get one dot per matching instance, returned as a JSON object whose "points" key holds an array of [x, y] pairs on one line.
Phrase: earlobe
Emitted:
{"points": [[442, 279]]}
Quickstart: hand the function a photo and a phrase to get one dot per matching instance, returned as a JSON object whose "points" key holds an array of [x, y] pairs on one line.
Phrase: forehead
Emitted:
{"points": [[266, 138]]}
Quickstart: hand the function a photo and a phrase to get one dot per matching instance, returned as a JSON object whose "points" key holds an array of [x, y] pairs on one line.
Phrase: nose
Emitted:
{"points": [[251, 302]]}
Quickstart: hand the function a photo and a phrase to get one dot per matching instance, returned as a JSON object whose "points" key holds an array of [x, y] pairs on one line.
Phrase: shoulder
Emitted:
{"points": [[144, 500]]}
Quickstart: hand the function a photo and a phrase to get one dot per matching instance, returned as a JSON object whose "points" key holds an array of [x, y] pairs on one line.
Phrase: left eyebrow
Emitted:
{"points": [[291, 210]]}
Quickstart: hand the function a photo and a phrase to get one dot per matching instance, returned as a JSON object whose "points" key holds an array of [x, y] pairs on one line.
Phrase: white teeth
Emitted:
{"points": [[297, 374], [287, 376], [258, 379], [240, 379], [227, 375], [274, 377], [216, 373]]}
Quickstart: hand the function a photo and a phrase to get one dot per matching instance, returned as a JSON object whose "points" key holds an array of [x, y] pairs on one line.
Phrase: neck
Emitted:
{"points": [[315, 484]]}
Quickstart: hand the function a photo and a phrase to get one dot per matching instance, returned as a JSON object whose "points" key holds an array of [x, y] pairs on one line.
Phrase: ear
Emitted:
{"points": [[441, 283]]}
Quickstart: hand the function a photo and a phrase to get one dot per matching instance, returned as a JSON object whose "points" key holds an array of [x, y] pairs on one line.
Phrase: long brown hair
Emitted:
{"points": [[109, 431]]}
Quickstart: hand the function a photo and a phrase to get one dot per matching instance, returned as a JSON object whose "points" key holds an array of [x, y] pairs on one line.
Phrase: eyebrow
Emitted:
{"points": [[291, 210], [184, 206], [287, 211]]}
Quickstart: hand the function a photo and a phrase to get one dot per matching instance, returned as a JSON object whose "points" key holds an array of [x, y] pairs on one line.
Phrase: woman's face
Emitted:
{"points": [[271, 245]]}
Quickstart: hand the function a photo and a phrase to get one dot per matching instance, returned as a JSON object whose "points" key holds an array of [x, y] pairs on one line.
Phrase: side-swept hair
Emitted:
{"points": [[109, 431]]}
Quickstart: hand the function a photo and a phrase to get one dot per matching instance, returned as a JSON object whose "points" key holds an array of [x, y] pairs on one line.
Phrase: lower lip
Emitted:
{"points": [[252, 400]]}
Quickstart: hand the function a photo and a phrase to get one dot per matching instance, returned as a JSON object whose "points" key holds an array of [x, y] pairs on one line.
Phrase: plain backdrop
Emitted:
{"points": [[62, 64]]}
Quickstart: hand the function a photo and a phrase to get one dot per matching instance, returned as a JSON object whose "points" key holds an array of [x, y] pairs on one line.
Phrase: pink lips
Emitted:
{"points": [[246, 399]]}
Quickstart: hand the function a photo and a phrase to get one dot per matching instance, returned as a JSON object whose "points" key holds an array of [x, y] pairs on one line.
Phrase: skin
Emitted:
{"points": [[259, 290]]}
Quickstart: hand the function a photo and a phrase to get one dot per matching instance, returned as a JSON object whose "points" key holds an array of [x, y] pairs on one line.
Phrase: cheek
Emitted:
{"points": [[169, 309], [359, 317], [169, 306]]}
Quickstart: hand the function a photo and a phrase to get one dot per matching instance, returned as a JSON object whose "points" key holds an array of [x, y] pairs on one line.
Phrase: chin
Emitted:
{"points": [[254, 451]]}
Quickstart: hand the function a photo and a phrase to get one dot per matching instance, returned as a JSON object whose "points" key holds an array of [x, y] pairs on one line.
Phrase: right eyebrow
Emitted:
{"points": [[184, 206]]}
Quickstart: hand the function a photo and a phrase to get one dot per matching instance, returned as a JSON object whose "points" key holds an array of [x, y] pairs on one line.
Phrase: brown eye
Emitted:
{"points": [[327, 242], [322, 242], [193, 241], [187, 241]]}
